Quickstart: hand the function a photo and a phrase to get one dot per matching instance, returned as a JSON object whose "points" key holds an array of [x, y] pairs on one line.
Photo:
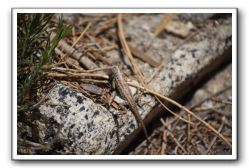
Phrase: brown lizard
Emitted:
{"points": [[125, 93]]}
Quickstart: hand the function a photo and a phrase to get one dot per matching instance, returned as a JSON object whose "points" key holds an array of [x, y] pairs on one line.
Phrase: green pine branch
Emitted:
{"points": [[34, 50]]}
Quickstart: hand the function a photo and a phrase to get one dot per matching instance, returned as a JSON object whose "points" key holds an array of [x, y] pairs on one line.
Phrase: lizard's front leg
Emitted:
{"points": [[114, 98]]}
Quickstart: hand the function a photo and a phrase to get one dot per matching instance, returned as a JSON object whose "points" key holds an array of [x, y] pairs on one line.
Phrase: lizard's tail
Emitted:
{"points": [[147, 137]]}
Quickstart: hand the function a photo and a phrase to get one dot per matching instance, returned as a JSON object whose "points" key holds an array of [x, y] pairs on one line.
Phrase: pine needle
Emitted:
{"points": [[127, 50], [82, 34]]}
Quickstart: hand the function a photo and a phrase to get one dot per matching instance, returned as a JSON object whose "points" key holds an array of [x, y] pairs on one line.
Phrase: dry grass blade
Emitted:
{"points": [[70, 84], [164, 137], [184, 109], [76, 75], [209, 97], [73, 34], [123, 41], [105, 24], [141, 55], [199, 109], [172, 135], [173, 113], [127, 49], [82, 34], [155, 73], [61, 69], [167, 18], [214, 139], [188, 133], [53, 65], [99, 57], [35, 106]]}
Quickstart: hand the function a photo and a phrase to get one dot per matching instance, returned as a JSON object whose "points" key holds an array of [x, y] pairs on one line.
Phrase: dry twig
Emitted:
{"points": [[173, 137]]}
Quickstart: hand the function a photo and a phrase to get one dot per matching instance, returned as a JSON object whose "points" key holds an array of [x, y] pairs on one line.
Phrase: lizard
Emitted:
{"points": [[125, 93]]}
